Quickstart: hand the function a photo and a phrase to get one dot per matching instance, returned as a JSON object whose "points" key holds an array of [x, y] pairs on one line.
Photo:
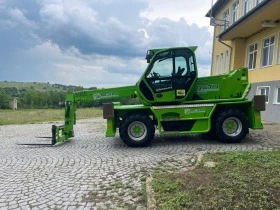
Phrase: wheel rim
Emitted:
{"points": [[137, 131], [232, 126]]}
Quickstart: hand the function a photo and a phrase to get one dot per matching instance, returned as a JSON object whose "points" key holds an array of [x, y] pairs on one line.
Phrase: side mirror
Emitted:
{"points": [[148, 59], [148, 56]]}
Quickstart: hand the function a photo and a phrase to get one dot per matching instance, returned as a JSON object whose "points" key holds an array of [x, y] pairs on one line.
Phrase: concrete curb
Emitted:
{"points": [[151, 200]]}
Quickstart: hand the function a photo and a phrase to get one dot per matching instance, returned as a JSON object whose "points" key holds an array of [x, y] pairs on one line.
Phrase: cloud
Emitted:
{"points": [[72, 67], [91, 42], [164, 32], [146, 35], [18, 18], [191, 11], [76, 24]]}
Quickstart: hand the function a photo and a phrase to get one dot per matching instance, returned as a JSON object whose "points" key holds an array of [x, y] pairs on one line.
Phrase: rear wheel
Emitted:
{"points": [[137, 130], [231, 126]]}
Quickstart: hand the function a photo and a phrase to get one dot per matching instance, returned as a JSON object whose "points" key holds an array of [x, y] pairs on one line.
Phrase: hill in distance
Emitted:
{"points": [[39, 86]]}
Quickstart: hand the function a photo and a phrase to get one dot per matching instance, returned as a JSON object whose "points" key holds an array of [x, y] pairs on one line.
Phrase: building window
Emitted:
{"points": [[263, 91], [252, 55], [278, 54], [267, 51], [222, 63], [226, 20], [277, 98], [226, 62], [246, 6], [234, 11], [217, 65], [258, 2]]}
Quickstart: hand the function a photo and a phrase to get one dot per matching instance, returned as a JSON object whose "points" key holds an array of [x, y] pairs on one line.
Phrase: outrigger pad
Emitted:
{"points": [[259, 102], [108, 110]]}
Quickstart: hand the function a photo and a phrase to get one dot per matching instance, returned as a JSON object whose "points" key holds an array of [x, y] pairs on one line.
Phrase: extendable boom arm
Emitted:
{"points": [[63, 132]]}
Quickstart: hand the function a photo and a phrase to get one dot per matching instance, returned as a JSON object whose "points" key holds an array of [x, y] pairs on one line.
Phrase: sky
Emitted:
{"points": [[96, 43]]}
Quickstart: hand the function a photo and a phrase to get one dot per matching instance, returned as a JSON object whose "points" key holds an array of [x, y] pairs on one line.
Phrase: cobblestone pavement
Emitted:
{"points": [[94, 172]]}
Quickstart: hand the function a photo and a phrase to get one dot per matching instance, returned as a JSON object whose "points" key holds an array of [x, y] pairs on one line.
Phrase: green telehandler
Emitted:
{"points": [[173, 101]]}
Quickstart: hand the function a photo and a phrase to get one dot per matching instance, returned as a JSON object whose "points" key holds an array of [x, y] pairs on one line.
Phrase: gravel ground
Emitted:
{"points": [[93, 172]]}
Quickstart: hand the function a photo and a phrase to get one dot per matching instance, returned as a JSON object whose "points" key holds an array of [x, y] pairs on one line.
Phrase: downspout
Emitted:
{"points": [[230, 47]]}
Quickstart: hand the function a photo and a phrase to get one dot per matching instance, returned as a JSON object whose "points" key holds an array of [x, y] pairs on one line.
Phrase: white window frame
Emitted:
{"points": [[254, 55], [278, 50], [262, 49], [258, 2], [226, 20], [226, 62], [259, 88], [235, 11], [245, 6], [221, 63], [277, 91], [217, 65]]}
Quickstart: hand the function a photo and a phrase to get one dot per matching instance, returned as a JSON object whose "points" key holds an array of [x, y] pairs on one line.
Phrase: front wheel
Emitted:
{"points": [[231, 126], [137, 130]]}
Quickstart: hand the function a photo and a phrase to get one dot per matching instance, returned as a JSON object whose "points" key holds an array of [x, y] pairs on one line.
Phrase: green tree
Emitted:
{"points": [[4, 100]]}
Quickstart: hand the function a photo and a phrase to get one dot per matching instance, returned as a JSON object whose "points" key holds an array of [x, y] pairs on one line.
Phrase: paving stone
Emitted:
{"points": [[91, 171], [3, 205], [12, 203], [13, 206]]}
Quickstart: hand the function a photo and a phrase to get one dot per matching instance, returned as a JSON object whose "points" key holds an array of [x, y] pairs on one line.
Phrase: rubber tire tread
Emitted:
{"points": [[222, 116], [146, 120]]}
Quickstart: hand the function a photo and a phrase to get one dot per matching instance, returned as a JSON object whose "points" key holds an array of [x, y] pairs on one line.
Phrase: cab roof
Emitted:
{"points": [[192, 48]]}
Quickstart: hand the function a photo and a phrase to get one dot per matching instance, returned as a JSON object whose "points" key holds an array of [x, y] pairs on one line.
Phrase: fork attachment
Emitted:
{"points": [[61, 133]]}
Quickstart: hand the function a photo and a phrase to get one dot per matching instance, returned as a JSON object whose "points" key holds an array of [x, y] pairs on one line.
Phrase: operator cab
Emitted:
{"points": [[169, 76]]}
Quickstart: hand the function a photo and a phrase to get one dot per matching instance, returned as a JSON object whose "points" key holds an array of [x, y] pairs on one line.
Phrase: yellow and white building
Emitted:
{"points": [[247, 33]]}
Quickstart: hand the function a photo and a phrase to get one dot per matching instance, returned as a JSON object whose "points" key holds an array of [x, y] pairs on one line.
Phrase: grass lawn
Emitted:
{"points": [[43, 115], [240, 180]]}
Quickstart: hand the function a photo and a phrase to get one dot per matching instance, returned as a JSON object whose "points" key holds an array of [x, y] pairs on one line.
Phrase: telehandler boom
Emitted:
{"points": [[173, 101]]}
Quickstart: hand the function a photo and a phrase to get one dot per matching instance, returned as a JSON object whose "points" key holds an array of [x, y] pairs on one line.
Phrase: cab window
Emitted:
{"points": [[171, 70], [162, 67], [180, 66], [191, 64]]}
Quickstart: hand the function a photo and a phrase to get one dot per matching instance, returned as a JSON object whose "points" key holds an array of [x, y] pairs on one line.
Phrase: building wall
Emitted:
{"points": [[267, 77], [272, 112], [13, 103], [220, 49], [237, 51], [269, 73]]}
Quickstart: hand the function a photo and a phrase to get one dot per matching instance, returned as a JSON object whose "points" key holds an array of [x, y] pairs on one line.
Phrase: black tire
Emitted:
{"points": [[231, 126], [209, 135], [144, 130]]}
